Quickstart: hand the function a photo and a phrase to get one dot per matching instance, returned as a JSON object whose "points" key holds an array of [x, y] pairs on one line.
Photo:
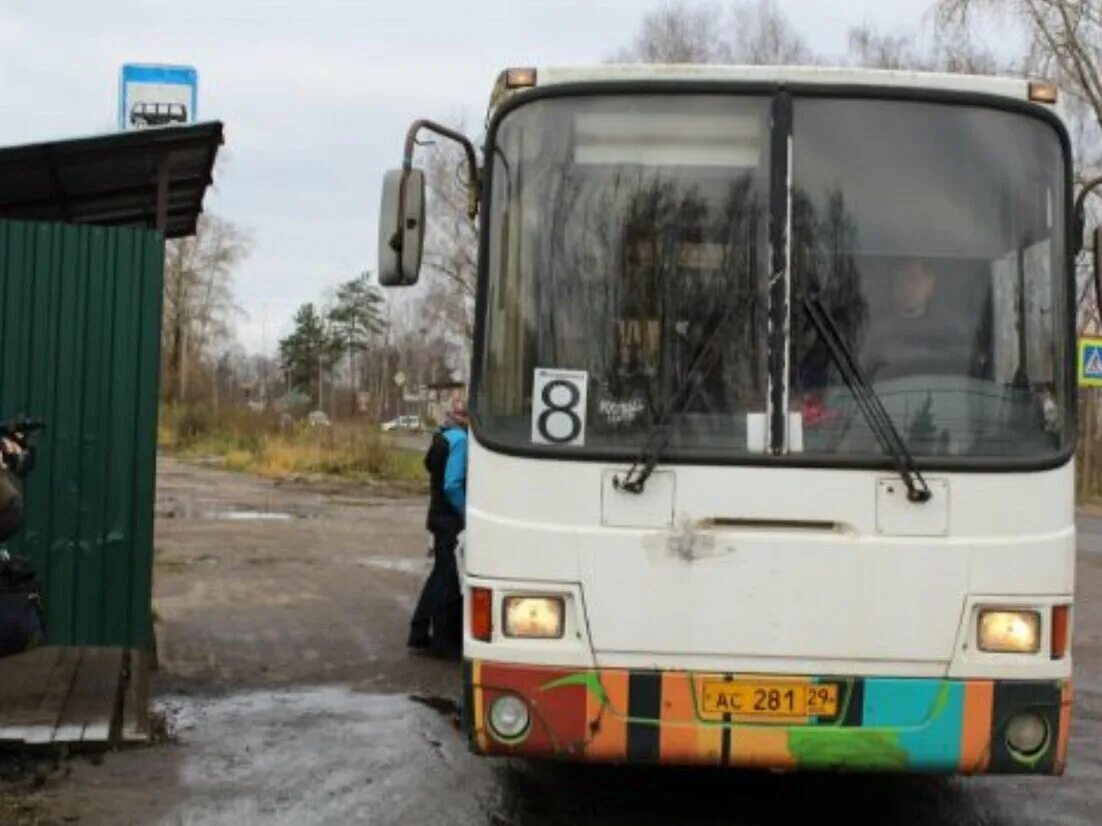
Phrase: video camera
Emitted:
{"points": [[19, 432]]}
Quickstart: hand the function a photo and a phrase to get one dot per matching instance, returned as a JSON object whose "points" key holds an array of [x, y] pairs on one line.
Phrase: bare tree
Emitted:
{"points": [[679, 33], [198, 296], [763, 36], [751, 32], [952, 51], [449, 310], [958, 52], [446, 301], [451, 241], [756, 32], [869, 47]]}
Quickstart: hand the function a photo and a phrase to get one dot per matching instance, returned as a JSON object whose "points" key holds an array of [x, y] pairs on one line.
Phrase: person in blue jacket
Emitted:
{"points": [[437, 623]]}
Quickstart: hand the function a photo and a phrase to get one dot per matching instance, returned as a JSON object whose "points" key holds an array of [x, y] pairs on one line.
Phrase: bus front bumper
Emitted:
{"points": [[879, 724]]}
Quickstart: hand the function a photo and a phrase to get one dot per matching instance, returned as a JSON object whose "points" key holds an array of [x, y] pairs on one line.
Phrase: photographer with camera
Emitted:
{"points": [[21, 621]]}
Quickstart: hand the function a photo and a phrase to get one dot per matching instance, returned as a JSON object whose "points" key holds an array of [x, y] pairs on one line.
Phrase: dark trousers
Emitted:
{"points": [[438, 618], [21, 625]]}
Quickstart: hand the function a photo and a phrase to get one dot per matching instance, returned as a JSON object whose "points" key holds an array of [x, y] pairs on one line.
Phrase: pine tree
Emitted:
{"points": [[308, 350]]}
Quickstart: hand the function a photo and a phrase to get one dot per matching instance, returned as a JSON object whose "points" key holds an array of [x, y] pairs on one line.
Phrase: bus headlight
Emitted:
{"points": [[534, 617], [1010, 632]]}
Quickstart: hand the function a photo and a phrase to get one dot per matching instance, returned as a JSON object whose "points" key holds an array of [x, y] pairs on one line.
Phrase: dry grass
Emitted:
{"points": [[340, 451], [254, 443]]}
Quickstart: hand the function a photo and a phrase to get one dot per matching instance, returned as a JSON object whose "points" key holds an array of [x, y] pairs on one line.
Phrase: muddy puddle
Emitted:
{"points": [[405, 565], [325, 755], [185, 509], [249, 516]]}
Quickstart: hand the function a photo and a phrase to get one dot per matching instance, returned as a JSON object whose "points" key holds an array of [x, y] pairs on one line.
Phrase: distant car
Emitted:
{"points": [[317, 418], [410, 423]]}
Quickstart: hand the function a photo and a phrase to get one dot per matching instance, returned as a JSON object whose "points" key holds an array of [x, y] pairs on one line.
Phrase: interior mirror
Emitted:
{"points": [[1096, 257], [401, 227]]}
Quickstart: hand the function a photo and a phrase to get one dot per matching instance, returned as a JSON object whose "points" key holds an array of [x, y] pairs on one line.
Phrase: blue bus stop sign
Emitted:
{"points": [[1090, 362], [157, 95]]}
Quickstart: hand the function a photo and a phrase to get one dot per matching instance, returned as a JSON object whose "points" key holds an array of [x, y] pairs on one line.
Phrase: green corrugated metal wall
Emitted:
{"points": [[80, 320]]}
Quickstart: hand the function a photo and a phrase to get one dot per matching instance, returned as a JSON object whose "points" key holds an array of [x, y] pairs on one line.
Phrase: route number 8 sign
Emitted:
{"points": [[558, 407]]}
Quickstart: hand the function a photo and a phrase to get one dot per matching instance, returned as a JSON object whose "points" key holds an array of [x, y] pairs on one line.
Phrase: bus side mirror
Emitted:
{"points": [[401, 227], [1096, 258]]}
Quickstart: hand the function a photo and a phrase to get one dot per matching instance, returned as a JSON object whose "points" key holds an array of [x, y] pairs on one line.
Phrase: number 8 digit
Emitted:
{"points": [[560, 409]]}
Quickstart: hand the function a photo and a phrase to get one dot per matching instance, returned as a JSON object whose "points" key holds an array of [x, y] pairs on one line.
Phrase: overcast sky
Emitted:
{"points": [[316, 96]]}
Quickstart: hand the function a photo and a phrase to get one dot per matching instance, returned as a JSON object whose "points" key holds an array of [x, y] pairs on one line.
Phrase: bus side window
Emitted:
{"points": [[1040, 362], [1004, 302], [1023, 295]]}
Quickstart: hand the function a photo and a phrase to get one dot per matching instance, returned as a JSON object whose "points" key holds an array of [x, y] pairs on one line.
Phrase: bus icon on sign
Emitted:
{"points": [[1090, 362], [157, 114], [156, 95]]}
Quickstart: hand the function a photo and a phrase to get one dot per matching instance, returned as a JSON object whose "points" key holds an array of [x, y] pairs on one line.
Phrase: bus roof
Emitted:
{"points": [[1015, 88]]}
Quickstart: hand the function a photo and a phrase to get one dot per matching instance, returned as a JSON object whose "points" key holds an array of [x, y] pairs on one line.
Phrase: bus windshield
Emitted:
{"points": [[936, 240], [635, 244]]}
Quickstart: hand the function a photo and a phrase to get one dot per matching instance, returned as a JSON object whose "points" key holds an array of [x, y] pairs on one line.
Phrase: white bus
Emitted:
{"points": [[773, 407]]}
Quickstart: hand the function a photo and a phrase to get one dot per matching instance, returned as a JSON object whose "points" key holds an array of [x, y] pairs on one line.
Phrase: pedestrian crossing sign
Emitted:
{"points": [[1090, 362]]}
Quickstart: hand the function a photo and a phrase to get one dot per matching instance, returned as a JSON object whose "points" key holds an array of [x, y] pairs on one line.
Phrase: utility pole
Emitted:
{"points": [[386, 363], [264, 358], [423, 380], [183, 358]]}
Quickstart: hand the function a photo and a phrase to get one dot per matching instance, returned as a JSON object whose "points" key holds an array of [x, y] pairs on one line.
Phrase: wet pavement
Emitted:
{"points": [[362, 759], [289, 698], [1090, 533], [249, 758]]}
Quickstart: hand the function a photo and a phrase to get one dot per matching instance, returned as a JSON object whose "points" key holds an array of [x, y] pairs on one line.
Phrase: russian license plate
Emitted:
{"points": [[764, 699]]}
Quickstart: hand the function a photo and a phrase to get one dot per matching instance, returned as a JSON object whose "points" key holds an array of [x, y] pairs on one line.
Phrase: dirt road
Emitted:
{"points": [[281, 619]]}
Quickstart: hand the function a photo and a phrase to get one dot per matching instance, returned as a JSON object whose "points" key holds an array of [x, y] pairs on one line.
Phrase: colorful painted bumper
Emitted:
{"points": [[880, 724]]}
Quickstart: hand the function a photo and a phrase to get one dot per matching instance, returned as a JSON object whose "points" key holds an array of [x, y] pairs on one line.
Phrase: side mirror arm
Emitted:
{"points": [[1078, 216], [473, 182], [1096, 261]]}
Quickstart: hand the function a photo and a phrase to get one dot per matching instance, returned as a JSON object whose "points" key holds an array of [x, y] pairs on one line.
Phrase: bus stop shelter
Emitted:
{"points": [[83, 224], [151, 179]]}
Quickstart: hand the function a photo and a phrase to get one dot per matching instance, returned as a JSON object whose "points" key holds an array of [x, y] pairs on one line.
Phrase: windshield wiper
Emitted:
{"points": [[873, 409], [658, 437]]}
